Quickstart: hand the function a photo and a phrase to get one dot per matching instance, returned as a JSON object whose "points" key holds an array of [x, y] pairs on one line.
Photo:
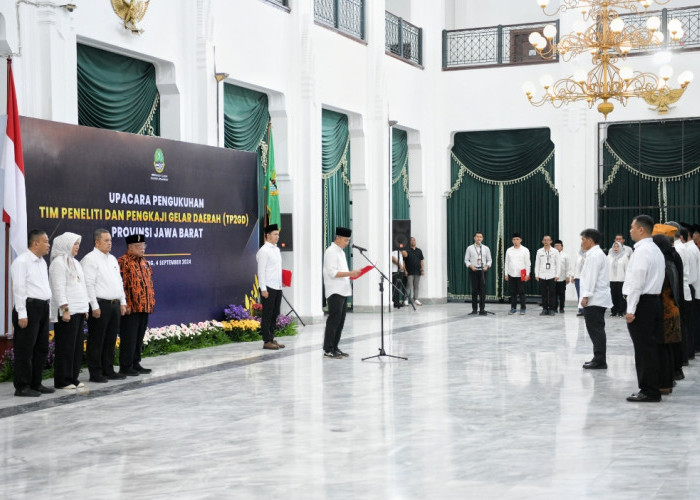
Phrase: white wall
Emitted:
{"points": [[304, 68]]}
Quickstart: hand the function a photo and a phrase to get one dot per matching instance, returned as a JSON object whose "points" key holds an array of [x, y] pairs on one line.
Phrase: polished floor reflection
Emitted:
{"points": [[484, 407]]}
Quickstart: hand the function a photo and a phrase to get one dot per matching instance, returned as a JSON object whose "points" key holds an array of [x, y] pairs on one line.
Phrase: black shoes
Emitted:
{"points": [[44, 390], [473, 313], [594, 365], [99, 379], [129, 372], [334, 355], [27, 392], [679, 375], [115, 376], [343, 354], [482, 313], [640, 397], [141, 369]]}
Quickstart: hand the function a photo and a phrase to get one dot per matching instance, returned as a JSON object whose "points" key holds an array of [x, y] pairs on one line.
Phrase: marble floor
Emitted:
{"points": [[484, 407]]}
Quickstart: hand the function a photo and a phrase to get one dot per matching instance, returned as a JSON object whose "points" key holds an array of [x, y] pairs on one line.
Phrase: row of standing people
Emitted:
{"points": [[115, 296], [659, 279]]}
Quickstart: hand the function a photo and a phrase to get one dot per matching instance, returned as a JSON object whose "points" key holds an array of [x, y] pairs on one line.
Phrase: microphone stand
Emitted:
{"points": [[382, 352], [292, 310]]}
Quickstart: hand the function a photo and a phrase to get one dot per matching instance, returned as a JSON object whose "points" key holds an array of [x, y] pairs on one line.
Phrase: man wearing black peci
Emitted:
{"points": [[478, 259], [270, 282], [336, 280], [643, 282]]}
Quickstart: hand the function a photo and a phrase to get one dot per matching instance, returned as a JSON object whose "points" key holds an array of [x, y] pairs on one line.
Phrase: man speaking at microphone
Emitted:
{"points": [[336, 279]]}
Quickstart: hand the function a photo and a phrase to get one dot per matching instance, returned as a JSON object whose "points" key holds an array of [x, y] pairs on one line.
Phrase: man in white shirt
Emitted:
{"points": [[644, 279], [692, 249], [398, 279], [31, 294], [477, 258], [517, 272], [687, 350], [547, 274], [566, 275], [620, 238], [595, 296], [336, 279], [105, 289], [269, 260]]}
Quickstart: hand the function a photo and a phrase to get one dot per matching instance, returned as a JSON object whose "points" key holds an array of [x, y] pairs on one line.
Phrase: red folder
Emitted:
{"points": [[286, 277], [523, 274], [364, 270]]}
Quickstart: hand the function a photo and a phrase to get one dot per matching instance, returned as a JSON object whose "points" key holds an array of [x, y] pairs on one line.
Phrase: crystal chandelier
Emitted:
{"points": [[603, 34]]}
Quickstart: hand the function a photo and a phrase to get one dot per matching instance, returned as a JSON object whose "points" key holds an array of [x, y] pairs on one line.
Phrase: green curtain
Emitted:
{"points": [[400, 207], [651, 168], [335, 161], [117, 92], [246, 127], [503, 182]]}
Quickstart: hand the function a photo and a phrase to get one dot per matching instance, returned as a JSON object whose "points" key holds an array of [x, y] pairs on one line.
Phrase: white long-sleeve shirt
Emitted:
{"points": [[547, 263], [269, 260], [516, 260], [566, 268], [693, 250], [67, 287], [683, 252], [478, 256], [334, 262], [580, 259], [645, 273], [595, 279], [618, 267], [30, 280], [102, 278]]}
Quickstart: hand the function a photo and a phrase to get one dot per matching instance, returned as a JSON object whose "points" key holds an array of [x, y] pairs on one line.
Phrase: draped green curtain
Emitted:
{"points": [[503, 182], [400, 207], [335, 160], [651, 168], [117, 92], [246, 127]]}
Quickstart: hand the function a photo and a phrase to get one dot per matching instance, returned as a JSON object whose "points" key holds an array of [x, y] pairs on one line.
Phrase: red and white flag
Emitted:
{"points": [[14, 210]]}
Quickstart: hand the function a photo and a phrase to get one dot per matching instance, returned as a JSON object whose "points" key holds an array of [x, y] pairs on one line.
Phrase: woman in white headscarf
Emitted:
{"points": [[617, 260], [69, 308]]}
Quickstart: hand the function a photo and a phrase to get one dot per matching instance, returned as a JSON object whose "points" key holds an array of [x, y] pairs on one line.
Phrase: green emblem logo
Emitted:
{"points": [[159, 161]]}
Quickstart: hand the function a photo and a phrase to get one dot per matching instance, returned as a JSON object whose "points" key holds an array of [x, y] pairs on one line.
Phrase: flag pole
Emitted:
{"points": [[6, 330]]}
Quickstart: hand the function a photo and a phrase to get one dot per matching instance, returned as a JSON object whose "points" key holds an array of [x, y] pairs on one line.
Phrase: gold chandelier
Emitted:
{"points": [[604, 35]]}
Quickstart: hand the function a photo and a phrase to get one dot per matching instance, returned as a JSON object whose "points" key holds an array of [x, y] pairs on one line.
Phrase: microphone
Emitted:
{"points": [[359, 248]]}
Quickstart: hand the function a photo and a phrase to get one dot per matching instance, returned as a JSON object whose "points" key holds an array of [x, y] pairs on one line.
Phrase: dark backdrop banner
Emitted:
{"points": [[197, 206]]}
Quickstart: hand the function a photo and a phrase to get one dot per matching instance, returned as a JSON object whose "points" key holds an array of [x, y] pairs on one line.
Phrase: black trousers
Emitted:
{"points": [[517, 291], [398, 295], [547, 290], [560, 295], [132, 328], [68, 337], [31, 344], [687, 344], [271, 309], [334, 324], [594, 316], [619, 302], [665, 354], [695, 322], [102, 338], [646, 331], [478, 279]]}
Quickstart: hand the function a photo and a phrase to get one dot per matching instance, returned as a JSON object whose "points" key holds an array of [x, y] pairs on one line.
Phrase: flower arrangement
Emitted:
{"points": [[234, 311]]}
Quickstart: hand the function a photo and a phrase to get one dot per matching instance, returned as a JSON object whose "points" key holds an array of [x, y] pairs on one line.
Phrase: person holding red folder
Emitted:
{"points": [[270, 282], [336, 280], [517, 272]]}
